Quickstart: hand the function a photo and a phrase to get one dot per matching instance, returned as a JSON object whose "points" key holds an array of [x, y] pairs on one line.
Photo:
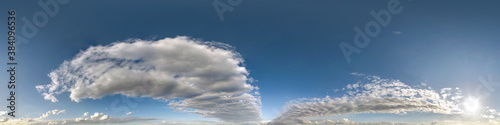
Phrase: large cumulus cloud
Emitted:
{"points": [[202, 77]]}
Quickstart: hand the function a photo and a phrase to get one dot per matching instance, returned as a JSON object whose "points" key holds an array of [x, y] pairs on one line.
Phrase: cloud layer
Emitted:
{"points": [[97, 118], [373, 95], [197, 76]]}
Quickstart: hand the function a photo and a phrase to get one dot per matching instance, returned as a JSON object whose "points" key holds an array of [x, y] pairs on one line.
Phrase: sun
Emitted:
{"points": [[472, 104]]}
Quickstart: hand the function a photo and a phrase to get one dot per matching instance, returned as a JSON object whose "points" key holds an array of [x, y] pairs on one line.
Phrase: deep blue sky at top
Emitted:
{"points": [[291, 47]]}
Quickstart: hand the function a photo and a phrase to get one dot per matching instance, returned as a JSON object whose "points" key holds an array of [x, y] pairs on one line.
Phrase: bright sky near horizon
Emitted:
{"points": [[254, 62]]}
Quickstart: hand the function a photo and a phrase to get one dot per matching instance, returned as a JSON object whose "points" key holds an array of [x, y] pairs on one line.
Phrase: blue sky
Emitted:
{"points": [[291, 48]]}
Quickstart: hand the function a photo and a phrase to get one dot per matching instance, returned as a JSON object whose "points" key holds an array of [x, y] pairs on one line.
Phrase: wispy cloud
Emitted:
{"points": [[205, 78], [343, 121], [396, 32], [373, 95]]}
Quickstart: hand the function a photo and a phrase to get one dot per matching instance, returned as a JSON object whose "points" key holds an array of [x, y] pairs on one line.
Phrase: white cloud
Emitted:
{"points": [[423, 84], [97, 118], [343, 121], [47, 96], [4, 119], [52, 112], [492, 115], [195, 73], [129, 113], [396, 32], [375, 95], [104, 117], [3, 113]]}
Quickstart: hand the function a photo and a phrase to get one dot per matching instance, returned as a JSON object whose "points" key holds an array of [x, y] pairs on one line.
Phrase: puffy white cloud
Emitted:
{"points": [[20, 121], [373, 95], [204, 76], [97, 118], [4, 119], [101, 118], [52, 112], [3, 113], [104, 117], [492, 115], [47, 96], [129, 113]]}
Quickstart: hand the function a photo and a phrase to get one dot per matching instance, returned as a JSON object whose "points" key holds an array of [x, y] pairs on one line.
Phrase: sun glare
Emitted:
{"points": [[472, 104]]}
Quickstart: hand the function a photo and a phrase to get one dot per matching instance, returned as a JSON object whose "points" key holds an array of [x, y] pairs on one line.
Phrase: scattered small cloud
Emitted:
{"points": [[423, 84], [97, 118], [3, 113]]}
